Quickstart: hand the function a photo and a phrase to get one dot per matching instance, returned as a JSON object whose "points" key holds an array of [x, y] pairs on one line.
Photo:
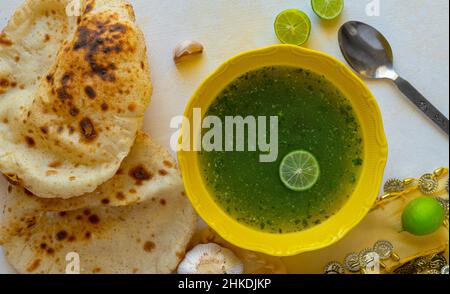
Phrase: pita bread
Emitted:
{"points": [[149, 237], [73, 92], [149, 172], [138, 222]]}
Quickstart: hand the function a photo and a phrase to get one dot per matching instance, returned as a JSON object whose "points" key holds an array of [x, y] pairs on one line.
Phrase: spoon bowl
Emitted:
{"points": [[367, 50]]}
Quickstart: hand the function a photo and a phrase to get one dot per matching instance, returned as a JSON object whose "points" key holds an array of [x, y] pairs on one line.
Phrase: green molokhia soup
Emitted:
{"points": [[313, 116]]}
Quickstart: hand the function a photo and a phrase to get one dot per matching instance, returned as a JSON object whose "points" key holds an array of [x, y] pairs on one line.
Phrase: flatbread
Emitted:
{"points": [[149, 172], [149, 237], [73, 92], [140, 221]]}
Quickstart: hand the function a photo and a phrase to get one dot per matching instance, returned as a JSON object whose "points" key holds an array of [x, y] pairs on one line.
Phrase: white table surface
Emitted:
{"points": [[418, 31]]}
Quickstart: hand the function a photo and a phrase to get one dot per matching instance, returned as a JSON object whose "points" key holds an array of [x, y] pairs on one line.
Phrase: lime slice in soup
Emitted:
{"points": [[293, 27], [328, 9], [299, 171]]}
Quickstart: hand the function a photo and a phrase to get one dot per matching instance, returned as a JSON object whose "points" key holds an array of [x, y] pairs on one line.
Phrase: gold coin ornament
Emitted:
{"points": [[405, 270], [420, 264], [394, 186], [385, 250], [428, 184], [445, 204], [437, 262], [432, 264], [366, 257], [431, 272], [334, 268], [351, 263], [369, 261]]}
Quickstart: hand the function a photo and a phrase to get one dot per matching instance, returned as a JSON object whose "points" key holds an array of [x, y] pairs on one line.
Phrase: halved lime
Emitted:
{"points": [[293, 26], [328, 9], [299, 170]]}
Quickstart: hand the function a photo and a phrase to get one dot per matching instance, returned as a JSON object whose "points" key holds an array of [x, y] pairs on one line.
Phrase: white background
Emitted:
{"points": [[417, 29]]}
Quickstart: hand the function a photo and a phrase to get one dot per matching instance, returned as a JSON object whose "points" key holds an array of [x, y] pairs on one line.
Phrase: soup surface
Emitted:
{"points": [[313, 116]]}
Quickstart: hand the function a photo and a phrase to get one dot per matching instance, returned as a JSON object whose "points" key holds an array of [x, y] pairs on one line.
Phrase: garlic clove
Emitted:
{"points": [[185, 49], [210, 259]]}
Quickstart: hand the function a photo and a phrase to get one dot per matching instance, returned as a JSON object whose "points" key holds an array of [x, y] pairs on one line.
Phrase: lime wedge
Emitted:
{"points": [[293, 26], [328, 9], [299, 171]]}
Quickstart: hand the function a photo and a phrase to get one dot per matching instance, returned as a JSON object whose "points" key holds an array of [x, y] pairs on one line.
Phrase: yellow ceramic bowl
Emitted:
{"points": [[366, 190]]}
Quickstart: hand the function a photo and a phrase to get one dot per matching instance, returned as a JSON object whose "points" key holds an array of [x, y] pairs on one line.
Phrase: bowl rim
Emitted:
{"points": [[287, 244]]}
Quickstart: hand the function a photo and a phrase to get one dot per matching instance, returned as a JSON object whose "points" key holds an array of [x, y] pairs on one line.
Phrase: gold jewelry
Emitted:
{"points": [[335, 268], [385, 250]]}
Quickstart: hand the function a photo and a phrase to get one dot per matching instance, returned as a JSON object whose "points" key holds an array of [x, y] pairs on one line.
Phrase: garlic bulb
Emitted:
{"points": [[185, 49], [210, 259]]}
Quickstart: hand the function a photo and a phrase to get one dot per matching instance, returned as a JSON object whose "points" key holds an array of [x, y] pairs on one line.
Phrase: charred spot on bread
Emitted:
{"points": [[104, 106], [63, 95], [120, 196], [94, 219], [61, 235], [99, 39], [73, 111], [49, 78], [87, 129], [30, 141], [140, 174], [34, 265], [4, 40], [90, 92], [89, 7], [149, 246]]}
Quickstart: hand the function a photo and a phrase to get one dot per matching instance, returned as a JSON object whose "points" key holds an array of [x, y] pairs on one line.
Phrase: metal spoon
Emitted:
{"points": [[370, 54]]}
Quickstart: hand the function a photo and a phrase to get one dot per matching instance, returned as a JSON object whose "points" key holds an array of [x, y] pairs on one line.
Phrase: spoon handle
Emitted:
{"points": [[423, 104]]}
